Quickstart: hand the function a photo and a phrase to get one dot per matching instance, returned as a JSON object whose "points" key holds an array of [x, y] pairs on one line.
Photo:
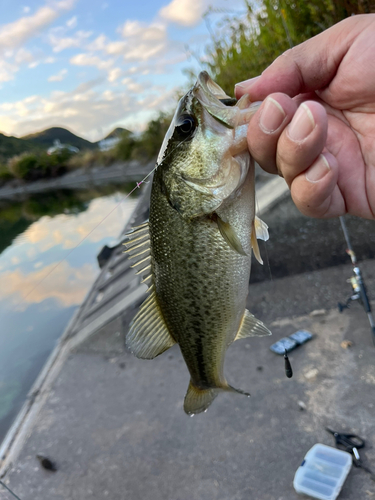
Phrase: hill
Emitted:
{"points": [[117, 132], [11, 146], [46, 138]]}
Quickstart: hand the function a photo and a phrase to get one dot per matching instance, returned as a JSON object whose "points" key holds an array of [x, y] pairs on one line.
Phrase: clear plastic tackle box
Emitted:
{"points": [[322, 472]]}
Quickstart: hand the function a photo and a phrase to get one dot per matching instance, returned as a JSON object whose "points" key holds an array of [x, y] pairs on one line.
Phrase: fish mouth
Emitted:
{"points": [[230, 101], [215, 101]]}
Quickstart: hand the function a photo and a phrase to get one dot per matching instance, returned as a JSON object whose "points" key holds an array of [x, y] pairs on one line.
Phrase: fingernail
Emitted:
{"points": [[246, 84], [302, 124], [318, 169], [272, 116]]}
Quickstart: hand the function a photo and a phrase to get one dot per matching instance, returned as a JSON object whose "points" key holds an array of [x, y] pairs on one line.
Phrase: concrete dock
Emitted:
{"points": [[116, 429]]}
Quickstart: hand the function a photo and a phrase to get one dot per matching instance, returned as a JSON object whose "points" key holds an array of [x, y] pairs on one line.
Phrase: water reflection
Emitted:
{"points": [[38, 293]]}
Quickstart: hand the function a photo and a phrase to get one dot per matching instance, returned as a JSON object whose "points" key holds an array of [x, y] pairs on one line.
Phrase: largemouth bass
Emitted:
{"points": [[195, 250]]}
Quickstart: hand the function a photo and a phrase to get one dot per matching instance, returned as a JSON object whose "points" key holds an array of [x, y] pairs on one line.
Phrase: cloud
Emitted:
{"points": [[114, 74], [13, 35], [136, 29], [7, 71], [63, 43], [72, 22], [47, 60], [139, 41], [86, 110], [98, 44], [23, 56], [90, 60], [184, 12], [59, 77], [134, 86], [115, 48], [142, 42]]}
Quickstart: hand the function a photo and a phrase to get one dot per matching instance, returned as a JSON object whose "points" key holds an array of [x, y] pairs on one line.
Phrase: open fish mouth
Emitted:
{"points": [[230, 101]]}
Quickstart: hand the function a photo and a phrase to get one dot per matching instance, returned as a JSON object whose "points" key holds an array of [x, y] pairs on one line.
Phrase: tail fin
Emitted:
{"points": [[198, 400]]}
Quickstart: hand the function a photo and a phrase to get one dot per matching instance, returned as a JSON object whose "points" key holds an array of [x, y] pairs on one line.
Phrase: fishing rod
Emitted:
{"points": [[356, 280]]}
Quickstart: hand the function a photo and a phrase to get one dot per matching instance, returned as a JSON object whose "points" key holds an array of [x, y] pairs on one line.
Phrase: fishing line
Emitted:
{"points": [[10, 491], [268, 261], [137, 186]]}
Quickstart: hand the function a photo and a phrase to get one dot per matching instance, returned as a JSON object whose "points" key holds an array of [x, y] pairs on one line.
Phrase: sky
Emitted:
{"points": [[92, 65]]}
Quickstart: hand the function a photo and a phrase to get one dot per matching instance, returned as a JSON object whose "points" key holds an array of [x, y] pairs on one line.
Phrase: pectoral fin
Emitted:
{"points": [[251, 327], [148, 335], [230, 236]]}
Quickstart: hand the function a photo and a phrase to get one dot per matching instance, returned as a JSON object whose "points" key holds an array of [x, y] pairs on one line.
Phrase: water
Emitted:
{"points": [[34, 236]]}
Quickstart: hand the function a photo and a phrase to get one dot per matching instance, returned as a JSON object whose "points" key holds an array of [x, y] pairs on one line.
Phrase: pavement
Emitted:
{"points": [[115, 425]]}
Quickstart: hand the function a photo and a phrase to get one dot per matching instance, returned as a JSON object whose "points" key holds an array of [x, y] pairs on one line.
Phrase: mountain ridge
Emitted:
{"points": [[45, 138], [40, 141]]}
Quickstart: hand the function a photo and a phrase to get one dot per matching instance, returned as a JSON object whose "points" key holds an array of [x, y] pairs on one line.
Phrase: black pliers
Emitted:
{"points": [[351, 443]]}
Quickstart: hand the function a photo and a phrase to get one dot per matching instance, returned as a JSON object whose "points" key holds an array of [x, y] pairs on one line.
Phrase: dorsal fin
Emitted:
{"points": [[251, 327], [148, 335], [137, 246]]}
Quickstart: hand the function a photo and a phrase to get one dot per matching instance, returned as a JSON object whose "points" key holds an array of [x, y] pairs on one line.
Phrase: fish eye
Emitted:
{"points": [[185, 127]]}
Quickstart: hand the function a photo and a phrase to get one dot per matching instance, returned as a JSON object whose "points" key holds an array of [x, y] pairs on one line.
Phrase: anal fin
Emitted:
{"points": [[149, 335], [251, 327]]}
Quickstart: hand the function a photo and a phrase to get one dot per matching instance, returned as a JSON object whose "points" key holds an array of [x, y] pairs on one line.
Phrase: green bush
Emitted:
{"points": [[124, 149], [23, 166], [5, 174], [31, 166], [244, 47]]}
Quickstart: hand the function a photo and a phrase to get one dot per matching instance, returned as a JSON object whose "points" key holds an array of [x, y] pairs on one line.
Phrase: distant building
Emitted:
{"points": [[57, 146], [107, 144]]}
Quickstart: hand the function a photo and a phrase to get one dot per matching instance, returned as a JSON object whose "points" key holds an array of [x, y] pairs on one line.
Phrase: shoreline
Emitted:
{"points": [[82, 178]]}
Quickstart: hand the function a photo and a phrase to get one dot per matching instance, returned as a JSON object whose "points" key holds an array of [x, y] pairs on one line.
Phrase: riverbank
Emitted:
{"points": [[118, 173]]}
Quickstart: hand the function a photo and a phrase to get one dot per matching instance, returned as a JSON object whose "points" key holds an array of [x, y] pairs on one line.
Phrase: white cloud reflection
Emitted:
{"points": [[26, 271], [68, 230], [64, 283]]}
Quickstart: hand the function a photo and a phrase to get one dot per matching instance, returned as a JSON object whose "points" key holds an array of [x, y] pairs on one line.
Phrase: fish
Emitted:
{"points": [[194, 252]]}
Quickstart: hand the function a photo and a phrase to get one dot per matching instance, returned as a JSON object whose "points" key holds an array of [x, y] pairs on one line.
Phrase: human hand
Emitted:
{"points": [[317, 125]]}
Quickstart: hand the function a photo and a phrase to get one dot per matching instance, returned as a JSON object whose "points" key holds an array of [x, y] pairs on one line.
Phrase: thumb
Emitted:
{"points": [[307, 67]]}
